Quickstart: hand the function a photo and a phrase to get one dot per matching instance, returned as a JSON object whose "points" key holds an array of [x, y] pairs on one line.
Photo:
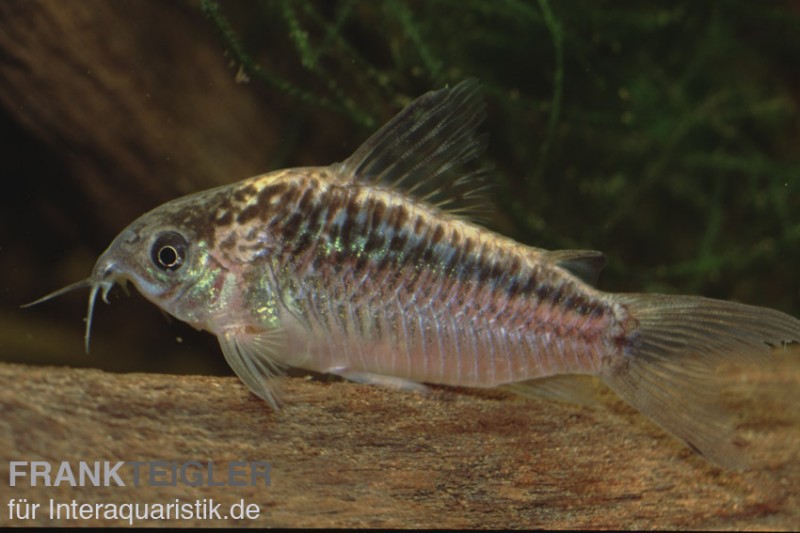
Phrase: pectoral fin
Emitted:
{"points": [[252, 358]]}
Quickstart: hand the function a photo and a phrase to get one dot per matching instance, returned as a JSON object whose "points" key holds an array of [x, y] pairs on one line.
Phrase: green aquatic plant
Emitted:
{"points": [[662, 134]]}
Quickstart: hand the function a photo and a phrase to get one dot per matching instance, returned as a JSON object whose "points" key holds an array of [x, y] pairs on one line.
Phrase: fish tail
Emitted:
{"points": [[672, 357]]}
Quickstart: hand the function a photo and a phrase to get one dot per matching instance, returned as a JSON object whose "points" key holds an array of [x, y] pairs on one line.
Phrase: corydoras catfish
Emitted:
{"points": [[370, 269]]}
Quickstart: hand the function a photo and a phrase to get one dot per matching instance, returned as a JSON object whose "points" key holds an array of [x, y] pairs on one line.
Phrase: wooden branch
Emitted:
{"points": [[344, 455]]}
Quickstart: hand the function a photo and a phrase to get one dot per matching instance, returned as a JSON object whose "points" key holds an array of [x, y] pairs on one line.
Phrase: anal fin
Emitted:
{"points": [[567, 388]]}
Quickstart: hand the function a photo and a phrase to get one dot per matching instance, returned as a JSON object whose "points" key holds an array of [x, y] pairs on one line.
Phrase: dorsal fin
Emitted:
{"points": [[584, 264], [420, 150]]}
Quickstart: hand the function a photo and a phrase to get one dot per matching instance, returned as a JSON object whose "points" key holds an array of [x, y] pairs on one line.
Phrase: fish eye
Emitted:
{"points": [[169, 251]]}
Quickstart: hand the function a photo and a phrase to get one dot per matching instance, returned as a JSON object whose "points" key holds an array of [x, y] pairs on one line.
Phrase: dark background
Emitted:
{"points": [[665, 134]]}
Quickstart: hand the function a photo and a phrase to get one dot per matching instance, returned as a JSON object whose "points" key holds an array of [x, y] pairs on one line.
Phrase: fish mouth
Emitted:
{"points": [[104, 276]]}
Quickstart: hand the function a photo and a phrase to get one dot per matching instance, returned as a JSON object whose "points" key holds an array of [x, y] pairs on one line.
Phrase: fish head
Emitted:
{"points": [[165, 254], [160, 260]]}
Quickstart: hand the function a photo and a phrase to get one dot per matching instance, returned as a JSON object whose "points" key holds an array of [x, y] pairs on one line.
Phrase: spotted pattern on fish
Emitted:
{"points": [[361, 236]]}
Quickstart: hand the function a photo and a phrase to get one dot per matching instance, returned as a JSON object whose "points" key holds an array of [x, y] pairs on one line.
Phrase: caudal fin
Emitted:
{"points": [[670, 368]]}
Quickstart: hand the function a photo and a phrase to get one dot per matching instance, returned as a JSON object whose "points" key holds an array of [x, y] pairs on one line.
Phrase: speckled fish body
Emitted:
{"points": [[363, 280], [366, 269]]}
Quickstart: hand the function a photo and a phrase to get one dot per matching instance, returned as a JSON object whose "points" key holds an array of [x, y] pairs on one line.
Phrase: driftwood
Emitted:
{"points": [[343, 454]]}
